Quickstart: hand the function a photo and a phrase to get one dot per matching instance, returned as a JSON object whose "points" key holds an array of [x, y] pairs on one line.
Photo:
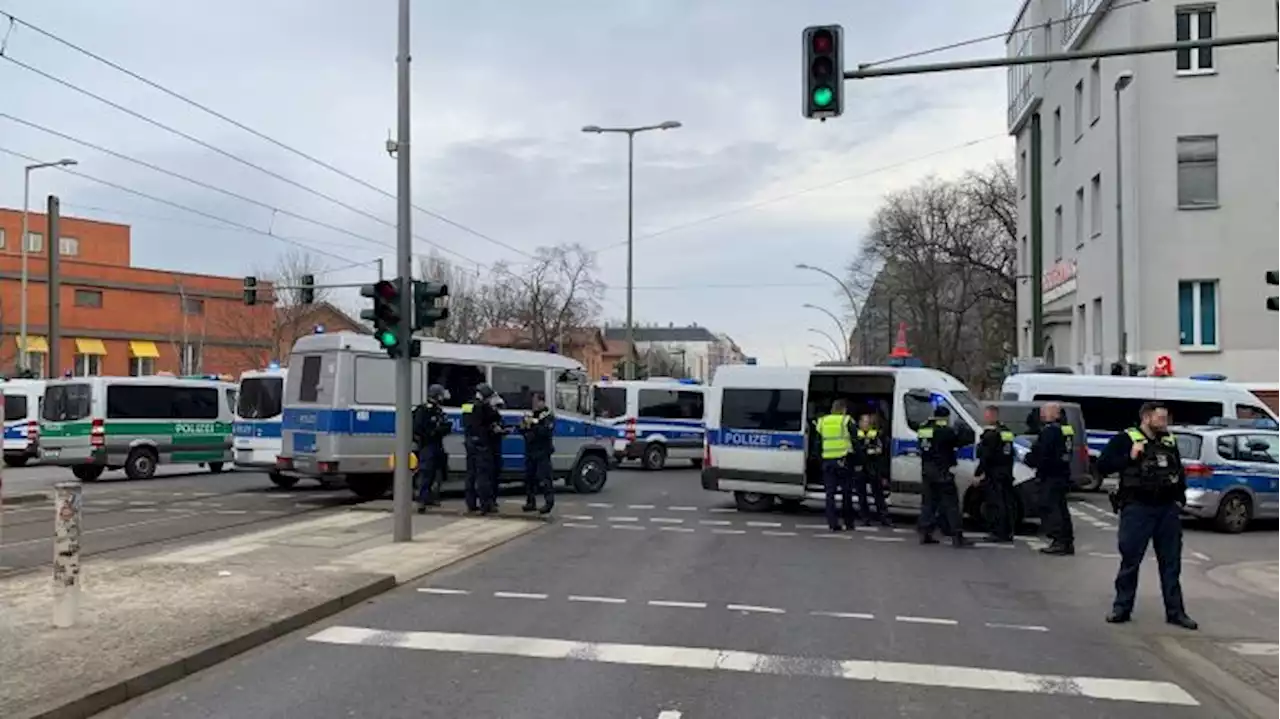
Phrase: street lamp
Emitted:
{"points": [[823, 351], [1122, 337], [629, 366], [848, 353], [26, 201], [832, 340]]}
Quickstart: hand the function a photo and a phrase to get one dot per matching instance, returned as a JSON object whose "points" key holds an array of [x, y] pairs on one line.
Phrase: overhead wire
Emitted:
{"points": [[256, 133]]}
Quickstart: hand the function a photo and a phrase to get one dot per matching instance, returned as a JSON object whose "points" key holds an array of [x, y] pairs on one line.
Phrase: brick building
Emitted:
{"points": [[586, 345], [122, 320]]}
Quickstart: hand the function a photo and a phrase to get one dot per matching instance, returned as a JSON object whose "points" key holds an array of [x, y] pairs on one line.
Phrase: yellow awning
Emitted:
{"points": [[88, 346], [35, 343], [142, 349]]}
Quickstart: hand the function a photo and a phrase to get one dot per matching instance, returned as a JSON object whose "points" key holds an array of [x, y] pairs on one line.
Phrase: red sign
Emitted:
{"points": [[1164, 366], [1060, 273]]}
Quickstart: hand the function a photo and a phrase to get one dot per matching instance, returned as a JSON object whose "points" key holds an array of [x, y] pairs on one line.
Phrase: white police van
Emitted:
{"points": [[22, 398], [339, 409], [654, 420], [258, 426], [759, 428]]}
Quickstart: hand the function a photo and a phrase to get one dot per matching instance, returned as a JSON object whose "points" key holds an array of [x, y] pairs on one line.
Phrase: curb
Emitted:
{"points": [[385, 506], [1226, 688], [26, 498]]}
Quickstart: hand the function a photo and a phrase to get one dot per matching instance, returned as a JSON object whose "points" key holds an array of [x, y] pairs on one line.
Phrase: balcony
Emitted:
{"points": [[1078, 19], [1021, 78]]}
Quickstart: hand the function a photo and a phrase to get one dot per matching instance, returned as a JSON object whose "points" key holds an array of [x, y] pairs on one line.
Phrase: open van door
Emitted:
{"points": [[914, 407]]}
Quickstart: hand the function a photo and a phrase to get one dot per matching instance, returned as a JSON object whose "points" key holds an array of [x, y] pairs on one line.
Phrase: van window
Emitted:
{"points": [[459, 379], [670, 404], [516, 385], [67, 402], [309, 389], [573, 393], [261, 397], [1189, 445], [610, 402], [773, 410], [161, 402], [918, 411], [1187, 412], [1243, 411], [15, 406], [1009, 396], [232, 395], [375, 381], [968, 404], [1110, 414]]}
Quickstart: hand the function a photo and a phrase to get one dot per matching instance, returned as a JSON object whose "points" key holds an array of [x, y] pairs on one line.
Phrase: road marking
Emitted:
{"points": [[624, 519], [669, 714], [141, 504], [676, 605], [599, 505], [1104, 555], [833, 535], [640, 506], [885, 539], [994, 545], [844, 615], [666, 520], [772, 533], [232, 511], [442, 590], [764, 524], [728, 531], [715, 522], [727, 660], [1020, 627], [519, 595], [902, 530], [1201, 556], [676, 529], [722, 510], [1255, 649], [811, 526], [597, 600], [575, 525], [578, 517], [925, 620], [682, 509], [632, 527], [753, 608], [142, 510]]}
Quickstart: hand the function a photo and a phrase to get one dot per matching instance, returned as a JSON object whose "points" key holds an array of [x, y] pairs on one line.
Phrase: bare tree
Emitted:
{"points": [[468, 299], [547, 298], [190, 331], [655, 362], [288, 316]]}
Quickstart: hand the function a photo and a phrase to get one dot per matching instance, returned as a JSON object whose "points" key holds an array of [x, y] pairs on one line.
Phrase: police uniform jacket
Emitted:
{"points": [[1050, 455], [538, 430], [1156, 477], [995, 453]]}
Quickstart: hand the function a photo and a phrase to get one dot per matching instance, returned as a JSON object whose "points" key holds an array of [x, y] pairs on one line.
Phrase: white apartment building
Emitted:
{"points": [[1198, 184], [698, 350]]}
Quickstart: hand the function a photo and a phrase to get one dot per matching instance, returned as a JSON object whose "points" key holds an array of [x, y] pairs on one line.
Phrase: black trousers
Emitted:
{"points": [[836, 478], [1000, 506], [433, 470], [537, 479], [939, 504], [486, 477], [1055, 519], [1161, 525], [471, 493], [867, 480]]}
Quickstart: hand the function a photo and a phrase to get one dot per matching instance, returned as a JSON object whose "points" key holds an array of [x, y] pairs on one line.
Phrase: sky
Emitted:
{"points": [[725, 206]]}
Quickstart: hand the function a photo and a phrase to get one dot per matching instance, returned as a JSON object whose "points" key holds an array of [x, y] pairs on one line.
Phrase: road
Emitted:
{"points": [[656, 599]]}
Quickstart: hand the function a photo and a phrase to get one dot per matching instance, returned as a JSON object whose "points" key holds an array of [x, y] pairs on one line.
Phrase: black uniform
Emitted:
{"points": [[995, 468], [1050, 455], [487, 440], [538, 430], [940, 500], [430, 426], [870, 454], [469, 432], [1152, 488]]}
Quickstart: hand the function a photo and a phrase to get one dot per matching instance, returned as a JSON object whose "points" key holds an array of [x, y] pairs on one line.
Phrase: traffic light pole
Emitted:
{"points": [[402, 517]]}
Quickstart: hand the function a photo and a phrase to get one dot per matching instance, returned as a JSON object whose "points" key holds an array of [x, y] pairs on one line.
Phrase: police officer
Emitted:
{"points": [[940, 500], [430, 426], [869, 453], [1152, 487], [485, 433], [538, 430], [995, 469], [469, 430], [1050, 455], [836, 431]]}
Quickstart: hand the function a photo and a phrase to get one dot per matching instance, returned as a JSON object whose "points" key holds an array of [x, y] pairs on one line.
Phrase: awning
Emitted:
{"points": [[142, 349], [35, 343], [89, 346]]}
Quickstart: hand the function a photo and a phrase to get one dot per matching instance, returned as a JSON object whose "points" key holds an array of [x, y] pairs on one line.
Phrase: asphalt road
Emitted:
{"points": [[655, 599]]}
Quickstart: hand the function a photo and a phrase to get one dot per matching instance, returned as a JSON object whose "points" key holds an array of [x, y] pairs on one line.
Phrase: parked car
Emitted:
{"points": [[1232, 473], [1023, 419]]}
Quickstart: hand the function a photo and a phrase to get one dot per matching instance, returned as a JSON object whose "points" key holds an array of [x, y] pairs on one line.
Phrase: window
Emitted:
{"points": [[1025, 257], [161, 402], [142, 366], [919, 409], [1079, 109], [1057, 133], [1, 238], [610, 402], [1095, 206], [66, 402], [88, 365], [516, 385], [1048, 41], [1198, 314], [36, 363], [1243, 411], [1097, 327], [1057, 233], [192, 306], [1095, 92], [770, 410], [1081, 332], [69, 246], [190, 358], [260, 397], [1189, 445], [670, 404], [1194, 24], [1258, 448], [88, 298], [1022, 177], [375, 381], [15, 407], [1188, 412], [35, 242], [573, 392], [1198, 171], [1079, 217], [309, 387], [232, 394], [459, 380], [1111, 414]]}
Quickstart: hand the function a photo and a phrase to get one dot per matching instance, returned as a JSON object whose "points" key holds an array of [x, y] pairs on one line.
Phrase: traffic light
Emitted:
{"points": [[388, 325], [823, 71], [308, 292], [426, 313], [1273, 278], [251, 291]]}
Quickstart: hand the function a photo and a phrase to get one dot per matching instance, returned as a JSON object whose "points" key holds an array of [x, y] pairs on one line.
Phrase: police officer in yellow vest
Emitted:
{"points": [[995, 469], [868, 471], [836, 430]]}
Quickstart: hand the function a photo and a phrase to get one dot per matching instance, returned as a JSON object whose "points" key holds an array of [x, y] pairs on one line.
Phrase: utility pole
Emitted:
{"points": [[380, 277], [402, 485], [1122, 336], [1037, 237], [52, 240]]}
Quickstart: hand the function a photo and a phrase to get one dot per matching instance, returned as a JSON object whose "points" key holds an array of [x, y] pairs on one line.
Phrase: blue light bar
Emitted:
{"points": [[273, 365], [689, 381], [1209, 377]]}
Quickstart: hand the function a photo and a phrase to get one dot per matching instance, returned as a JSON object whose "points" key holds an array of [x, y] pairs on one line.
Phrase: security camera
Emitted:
{"points": [[392, 145]]}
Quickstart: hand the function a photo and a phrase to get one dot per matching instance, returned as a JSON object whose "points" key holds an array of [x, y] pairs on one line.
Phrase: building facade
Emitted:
{"points": [[586, 345], [1190, 142], [122, 320], [696, 350]]}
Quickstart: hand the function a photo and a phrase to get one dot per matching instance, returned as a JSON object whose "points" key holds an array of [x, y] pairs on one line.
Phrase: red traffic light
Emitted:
{"points": [[385, 290], [823, 42]]}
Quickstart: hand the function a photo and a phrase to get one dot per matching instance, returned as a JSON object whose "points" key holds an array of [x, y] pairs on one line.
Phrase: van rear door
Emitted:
{"points": [[758, 444]]}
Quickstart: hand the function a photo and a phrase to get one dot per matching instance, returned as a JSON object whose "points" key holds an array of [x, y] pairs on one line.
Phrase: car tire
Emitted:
{"points": [[655, 457], [369, 487], [15, 462], [283, 481], [697, 463], [589, 475], [215, 467], [753, 501], [87, 472], [1235, 511], [141, 463]]}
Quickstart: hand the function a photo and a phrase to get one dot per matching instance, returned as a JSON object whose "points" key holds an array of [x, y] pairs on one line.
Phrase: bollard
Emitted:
{"points": [[66, 553]]}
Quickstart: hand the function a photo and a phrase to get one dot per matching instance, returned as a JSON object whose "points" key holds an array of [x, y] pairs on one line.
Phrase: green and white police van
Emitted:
{"points": [[95, 424]]}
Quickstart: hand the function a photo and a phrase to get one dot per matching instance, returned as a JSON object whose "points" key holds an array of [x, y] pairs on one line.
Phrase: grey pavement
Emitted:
{"points": [[611, 612]]}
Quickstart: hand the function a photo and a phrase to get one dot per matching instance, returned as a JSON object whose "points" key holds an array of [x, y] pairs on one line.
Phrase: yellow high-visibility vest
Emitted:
{"points": [[834, 430]]}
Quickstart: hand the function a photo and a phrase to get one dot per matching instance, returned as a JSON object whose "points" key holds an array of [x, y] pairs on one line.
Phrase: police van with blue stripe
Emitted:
{"points": [[1233, 475], [654, 420], [339, 409], [22, 398], [258, 427], [760, 425]]}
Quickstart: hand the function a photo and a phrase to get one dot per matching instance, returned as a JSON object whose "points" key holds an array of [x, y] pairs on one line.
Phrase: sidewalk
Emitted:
{"points": [[147, 621]]}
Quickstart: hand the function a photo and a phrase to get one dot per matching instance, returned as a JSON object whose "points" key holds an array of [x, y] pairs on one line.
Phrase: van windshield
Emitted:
{"points": [[260, 397], [610, 402], [968, 404], [66, 402]]}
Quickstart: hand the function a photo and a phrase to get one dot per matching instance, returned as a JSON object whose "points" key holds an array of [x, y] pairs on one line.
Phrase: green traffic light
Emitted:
{"points": [[823, 96], [388, 339]]}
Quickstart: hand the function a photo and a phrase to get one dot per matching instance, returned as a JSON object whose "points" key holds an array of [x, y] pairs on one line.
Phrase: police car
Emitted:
{"points": [[1232, 472]]}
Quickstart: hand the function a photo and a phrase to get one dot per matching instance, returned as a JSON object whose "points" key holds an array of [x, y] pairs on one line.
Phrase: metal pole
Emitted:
{"points": [[1121, 335], [848, 338], [630, 367], [52, 233], [22, 241], [380, 276], [1037, 239], [66, 553], [402, 516], [835, 345]]}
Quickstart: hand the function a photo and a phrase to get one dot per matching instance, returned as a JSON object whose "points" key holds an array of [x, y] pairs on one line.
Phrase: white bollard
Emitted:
{"points": [[66, 553]]}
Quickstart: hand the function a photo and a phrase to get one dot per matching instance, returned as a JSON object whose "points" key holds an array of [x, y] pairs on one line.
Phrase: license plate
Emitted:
{"points": [[52, 453]]}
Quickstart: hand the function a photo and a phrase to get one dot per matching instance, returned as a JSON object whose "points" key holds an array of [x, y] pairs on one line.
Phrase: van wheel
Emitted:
{"points": [[141, 463], [215, 467], [697, 463], [370, 486], [283, 481], [17, 461], [655, 457], [753, 501], [1234, 512], [589, 474], [88, 472]]}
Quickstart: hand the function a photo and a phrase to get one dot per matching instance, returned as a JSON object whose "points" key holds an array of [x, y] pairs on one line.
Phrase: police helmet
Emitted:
{"points": [[437, 392], [483, 391]]}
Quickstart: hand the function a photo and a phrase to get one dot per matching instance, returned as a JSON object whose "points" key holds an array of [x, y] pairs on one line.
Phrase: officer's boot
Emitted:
{"points": [[928, 538], [548, 504], [959, 542], [529, 504]]}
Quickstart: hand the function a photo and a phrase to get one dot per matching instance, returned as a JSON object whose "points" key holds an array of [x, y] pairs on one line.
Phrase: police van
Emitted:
{"points": [[760, 425], [259, 423], [654, 420], [95, 424], [339, 409], [1111, 403], [22, 398]]}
